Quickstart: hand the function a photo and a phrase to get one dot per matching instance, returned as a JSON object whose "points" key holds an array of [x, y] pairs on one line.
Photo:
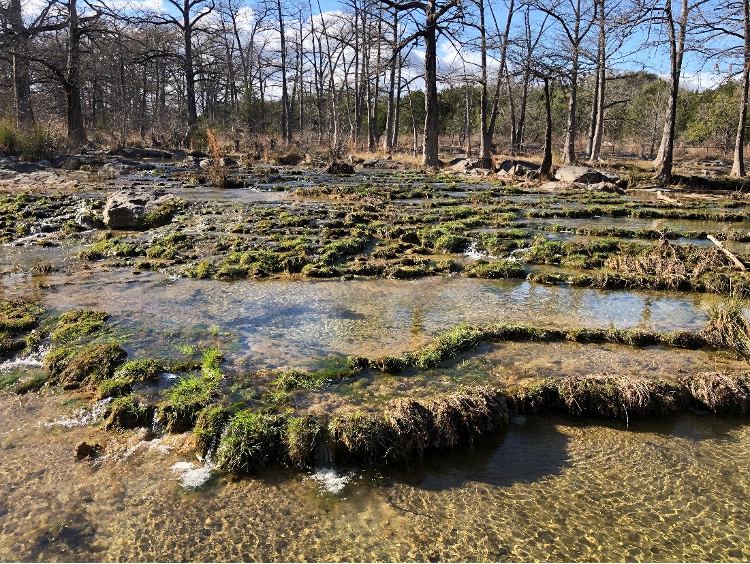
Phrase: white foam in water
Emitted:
{"points": [[84, 416], [331, 481], [191, 476], [34, 360], [474, 254]]}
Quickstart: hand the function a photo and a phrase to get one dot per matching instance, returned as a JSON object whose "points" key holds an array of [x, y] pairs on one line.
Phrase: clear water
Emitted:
{"points": [[275, 323], [550, 489]]}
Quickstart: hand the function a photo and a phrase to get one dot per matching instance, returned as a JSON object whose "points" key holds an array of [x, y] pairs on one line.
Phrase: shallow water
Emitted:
{"points": [[550, 488], [273, 323]]}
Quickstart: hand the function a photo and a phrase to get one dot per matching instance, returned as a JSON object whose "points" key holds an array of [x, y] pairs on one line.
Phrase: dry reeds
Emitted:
{"points": [[728, 327], [217, 170], [720, 392]]}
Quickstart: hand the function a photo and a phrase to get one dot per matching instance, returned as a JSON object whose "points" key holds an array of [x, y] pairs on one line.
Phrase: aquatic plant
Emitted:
{"points": [[359, 435], [446, 345], [301, 438], [727, 326], [208, 427], [463, 417], [250, 440], [720, 392], [127, 412], [495, 269], [140, 370], [89, 365], [76, 324]]}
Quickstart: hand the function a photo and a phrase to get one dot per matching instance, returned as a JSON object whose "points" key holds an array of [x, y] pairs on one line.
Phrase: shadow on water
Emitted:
{"points": [[530, 450]]}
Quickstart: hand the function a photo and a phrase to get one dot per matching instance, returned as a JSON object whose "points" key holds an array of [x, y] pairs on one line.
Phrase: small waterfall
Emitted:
{"points": [[157, 427]]}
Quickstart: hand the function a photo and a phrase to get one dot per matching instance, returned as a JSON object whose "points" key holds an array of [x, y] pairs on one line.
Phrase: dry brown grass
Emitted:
{"points": [[720, 392]]}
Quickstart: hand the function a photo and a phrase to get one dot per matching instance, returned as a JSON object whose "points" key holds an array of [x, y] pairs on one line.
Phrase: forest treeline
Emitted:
{"points": [[571, 76]]}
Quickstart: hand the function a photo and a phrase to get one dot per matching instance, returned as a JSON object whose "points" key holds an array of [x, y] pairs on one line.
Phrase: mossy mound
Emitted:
{"points": [[76, 324], [127, 412], [86, 366]]}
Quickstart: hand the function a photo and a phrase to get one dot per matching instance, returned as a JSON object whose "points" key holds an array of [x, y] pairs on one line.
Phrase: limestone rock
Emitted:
{"points": [[467, 165], [128, 208], [113, 170], [517, 168], [339, 168], [579, 175]]}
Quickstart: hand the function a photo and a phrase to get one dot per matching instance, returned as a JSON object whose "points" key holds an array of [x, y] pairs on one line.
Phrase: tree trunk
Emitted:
{"points": [[663, 162], [596, 145], [20, 61], [389, 114], [285, 117], [192, 112], [73, 110], [569, 149], [546, 168], [431, 129], [738, 166]]}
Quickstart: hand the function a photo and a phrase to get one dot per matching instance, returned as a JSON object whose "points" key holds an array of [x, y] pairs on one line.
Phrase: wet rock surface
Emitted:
{"points": [[129, 208], [87, 451]]}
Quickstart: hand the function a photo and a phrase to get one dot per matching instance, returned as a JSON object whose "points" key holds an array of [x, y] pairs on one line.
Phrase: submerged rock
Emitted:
{"points": [[129, 208], [85, 451]]}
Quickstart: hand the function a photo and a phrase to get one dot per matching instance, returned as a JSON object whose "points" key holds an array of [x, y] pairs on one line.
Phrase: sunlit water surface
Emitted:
{"points": [[549, 489]]}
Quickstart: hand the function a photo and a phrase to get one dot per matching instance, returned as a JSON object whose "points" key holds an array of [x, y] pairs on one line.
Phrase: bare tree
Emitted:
{"points": [[434, 12]]}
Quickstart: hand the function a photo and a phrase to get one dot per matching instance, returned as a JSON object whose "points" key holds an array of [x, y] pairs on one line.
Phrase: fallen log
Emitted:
{"points": [[731, 255]]}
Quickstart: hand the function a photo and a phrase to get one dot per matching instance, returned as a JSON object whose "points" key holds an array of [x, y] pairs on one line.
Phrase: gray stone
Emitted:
{"points": [[514, 167], [44, 163], [113, 170], [128, 208], [467, 165], [579, 174]]}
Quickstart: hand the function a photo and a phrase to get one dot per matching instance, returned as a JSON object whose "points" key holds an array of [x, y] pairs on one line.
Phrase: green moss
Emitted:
{"points": [[127, 412], [447, 345], [301, 438], [250, 441], [19, 316], [451, 243], [296, 380], [141, 370], [208, 427], [496, 269], [76, 324], [90, 365]]}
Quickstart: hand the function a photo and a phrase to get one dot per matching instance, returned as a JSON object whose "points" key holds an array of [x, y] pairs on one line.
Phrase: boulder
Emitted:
{"points": [[605, 187], [339, 168], [113, 170], [515, 167], [86, 451], [135, 153], [44, 163], [128, 208], [579, 175], [467, 165]]}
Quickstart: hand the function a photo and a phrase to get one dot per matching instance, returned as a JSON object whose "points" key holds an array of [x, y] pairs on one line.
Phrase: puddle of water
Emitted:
{"points": [[275, 323]]}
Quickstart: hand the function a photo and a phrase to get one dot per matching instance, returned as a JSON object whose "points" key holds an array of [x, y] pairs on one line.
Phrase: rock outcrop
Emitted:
{"points": [[130, 208]]}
